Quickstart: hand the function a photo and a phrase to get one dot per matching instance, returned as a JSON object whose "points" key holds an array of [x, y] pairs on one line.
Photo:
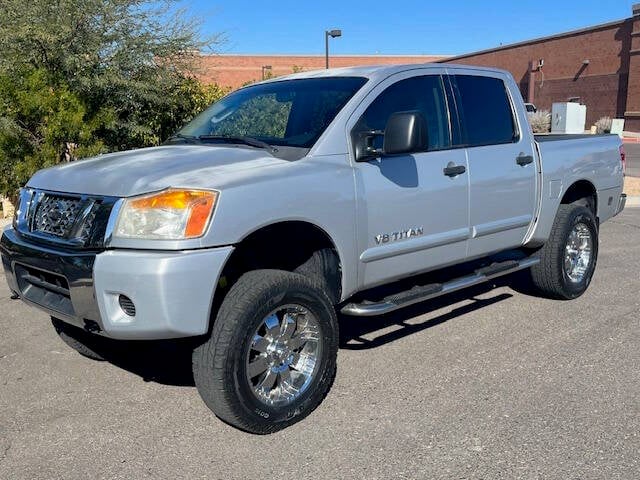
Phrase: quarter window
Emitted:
{"points": [[485, 110]]}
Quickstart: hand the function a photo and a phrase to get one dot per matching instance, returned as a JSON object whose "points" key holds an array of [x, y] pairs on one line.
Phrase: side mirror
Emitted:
{"points": [[405, 132]]}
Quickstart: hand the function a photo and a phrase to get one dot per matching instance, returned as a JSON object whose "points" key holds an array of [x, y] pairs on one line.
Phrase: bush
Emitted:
{"points": [[82, 77], [540, 121], [603, 125]]}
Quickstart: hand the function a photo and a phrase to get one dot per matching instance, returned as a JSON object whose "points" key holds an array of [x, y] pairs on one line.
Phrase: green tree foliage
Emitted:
{"points": [[262, 116], [81, 77]]}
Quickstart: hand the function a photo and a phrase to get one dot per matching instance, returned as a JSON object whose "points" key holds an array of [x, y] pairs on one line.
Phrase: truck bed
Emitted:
{"points": [[552, 137]]}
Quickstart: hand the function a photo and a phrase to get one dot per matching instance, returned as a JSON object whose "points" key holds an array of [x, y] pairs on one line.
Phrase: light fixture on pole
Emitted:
{"points": [[333, 34]]}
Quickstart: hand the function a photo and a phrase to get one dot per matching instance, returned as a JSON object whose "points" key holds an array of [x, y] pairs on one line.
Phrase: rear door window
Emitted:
{"points": [[485, 110]]}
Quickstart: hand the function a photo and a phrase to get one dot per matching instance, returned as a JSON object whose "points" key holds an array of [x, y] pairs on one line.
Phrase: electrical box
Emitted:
{"points": [[568, 117], [617, 126]]}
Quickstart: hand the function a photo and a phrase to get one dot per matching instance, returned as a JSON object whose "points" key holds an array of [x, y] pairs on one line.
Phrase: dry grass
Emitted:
{"points": [[632, 186]]}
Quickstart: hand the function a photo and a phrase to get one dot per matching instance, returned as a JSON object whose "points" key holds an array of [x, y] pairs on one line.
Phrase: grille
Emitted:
{"points": [[85, 232], [75, 221], [56, 215]]}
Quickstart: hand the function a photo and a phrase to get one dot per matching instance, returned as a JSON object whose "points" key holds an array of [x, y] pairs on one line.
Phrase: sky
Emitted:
{"points": [[392, 26]]}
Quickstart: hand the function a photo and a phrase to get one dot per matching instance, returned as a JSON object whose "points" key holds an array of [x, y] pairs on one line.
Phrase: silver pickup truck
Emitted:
{"points": [[351, 190]]}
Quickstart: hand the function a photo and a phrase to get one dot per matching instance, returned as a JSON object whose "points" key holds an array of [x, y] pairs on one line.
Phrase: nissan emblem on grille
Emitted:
{"points": [[56, 215]]}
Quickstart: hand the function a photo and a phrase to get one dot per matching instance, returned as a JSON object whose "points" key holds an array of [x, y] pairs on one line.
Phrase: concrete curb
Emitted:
{"points": [[633, 201]]}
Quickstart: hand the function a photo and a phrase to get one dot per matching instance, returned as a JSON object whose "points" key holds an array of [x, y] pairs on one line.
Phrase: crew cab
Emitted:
{"points": [[356, 191]]}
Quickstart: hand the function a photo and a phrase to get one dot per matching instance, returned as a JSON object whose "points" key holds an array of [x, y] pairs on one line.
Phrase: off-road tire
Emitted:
{"points": [[323, 268], [549, 276], [219, 362], [84, 343]]}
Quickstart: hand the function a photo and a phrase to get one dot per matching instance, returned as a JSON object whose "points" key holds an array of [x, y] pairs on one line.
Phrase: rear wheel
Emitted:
{"points": [[84, 343], [568, 259], [271, 357]]}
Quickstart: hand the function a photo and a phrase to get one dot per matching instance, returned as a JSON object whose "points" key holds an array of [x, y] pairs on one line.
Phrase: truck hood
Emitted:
{"points": [[134, 172]]}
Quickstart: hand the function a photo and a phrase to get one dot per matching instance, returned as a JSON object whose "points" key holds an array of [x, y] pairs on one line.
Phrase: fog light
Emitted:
{"points": [[127, 306]]}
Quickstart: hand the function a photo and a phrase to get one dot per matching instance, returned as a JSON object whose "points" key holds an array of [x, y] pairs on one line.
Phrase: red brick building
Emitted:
{"points": [[237, 70], [599, 65]]}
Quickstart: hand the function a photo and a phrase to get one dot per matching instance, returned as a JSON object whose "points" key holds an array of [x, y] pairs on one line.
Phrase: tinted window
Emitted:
{"points": [[288, 113], [424, 94], [484, 109]]}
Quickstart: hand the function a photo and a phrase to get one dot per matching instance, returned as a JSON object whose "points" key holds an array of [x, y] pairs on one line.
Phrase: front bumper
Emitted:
{"points": [[172, 291]]}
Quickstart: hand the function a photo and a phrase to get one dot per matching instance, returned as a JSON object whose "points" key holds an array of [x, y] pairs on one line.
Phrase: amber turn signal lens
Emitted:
{"points": [[170, 214]]}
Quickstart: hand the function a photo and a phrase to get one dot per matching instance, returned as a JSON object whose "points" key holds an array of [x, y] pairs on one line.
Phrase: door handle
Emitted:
{"points": [[523, 159], [452, 170]]}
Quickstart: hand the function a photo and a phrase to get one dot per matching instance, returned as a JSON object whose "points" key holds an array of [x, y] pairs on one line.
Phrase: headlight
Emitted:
{"points": [[172, 214]]}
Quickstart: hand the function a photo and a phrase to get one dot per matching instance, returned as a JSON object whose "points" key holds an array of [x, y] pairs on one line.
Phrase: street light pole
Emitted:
{"points": [[333, 34], [326, 49]]}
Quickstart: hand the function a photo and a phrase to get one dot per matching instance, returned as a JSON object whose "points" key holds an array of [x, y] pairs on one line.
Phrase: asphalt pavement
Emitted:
{"points": [[488, 383]]}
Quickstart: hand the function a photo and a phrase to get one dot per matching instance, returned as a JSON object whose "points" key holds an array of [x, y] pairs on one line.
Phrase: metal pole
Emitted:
{"points": [[326, 49]]}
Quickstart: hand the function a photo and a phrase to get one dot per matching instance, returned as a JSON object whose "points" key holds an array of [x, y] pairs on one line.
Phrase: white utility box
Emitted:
{"points": [[617, 126], [568, 117]]}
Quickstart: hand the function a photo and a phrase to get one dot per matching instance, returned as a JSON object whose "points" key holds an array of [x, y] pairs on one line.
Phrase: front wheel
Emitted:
{"points": [[271, 357], [568, 259]]}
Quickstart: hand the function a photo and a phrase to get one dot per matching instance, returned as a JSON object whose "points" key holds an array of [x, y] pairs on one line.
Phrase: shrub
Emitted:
{"points": [[540, 121], [82, 77], [603, 125]]}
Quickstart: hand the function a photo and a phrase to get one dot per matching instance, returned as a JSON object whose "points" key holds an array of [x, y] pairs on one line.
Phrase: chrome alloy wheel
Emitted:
{"points": [[577, 252], [284, 355]]}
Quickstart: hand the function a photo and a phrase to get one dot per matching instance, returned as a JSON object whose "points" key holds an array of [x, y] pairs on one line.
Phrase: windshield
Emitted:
{"points": [[291, 113]]}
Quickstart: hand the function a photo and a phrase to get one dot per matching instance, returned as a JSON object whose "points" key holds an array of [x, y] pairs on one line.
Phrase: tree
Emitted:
{"points": [[80, 77]]}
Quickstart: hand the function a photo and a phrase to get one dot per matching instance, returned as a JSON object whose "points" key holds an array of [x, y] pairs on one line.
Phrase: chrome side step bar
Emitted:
{"points": [[426, 292]]}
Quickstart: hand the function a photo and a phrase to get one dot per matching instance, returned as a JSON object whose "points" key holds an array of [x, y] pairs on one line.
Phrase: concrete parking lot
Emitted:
{"points": [[488, 383]]}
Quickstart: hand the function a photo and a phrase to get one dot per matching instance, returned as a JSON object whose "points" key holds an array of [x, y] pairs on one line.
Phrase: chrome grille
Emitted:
{"points": [[87, 225], [56, 215], [75, 221]]}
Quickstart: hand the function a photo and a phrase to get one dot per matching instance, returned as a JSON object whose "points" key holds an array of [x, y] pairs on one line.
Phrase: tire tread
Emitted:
{"points": [[218, 349], [547, 276]]}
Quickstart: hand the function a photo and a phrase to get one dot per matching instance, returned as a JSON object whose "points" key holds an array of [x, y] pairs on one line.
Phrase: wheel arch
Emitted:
{"points": [[582, 190], [283, 245]]}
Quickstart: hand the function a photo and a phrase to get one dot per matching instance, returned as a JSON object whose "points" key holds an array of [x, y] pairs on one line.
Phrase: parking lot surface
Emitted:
{"points": [[487, 383], [632, 151]]}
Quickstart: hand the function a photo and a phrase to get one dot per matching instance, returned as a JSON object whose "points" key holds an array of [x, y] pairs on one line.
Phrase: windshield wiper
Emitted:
{"points": [[180, 136], [252, 142]]}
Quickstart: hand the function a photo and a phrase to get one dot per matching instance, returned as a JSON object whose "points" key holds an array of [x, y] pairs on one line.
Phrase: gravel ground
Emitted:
{"points": [[488, 383], [632, 186], [633, 159]]}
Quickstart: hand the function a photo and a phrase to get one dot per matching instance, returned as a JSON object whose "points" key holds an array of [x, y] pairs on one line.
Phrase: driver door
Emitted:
{"points": [[412, 215]]}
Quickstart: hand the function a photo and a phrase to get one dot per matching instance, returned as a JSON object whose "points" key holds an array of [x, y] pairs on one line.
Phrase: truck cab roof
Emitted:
{"points": [[379, 72]]}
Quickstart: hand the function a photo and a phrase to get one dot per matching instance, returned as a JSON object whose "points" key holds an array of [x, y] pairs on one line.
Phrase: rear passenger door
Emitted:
{"points": [[502, 167]]}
